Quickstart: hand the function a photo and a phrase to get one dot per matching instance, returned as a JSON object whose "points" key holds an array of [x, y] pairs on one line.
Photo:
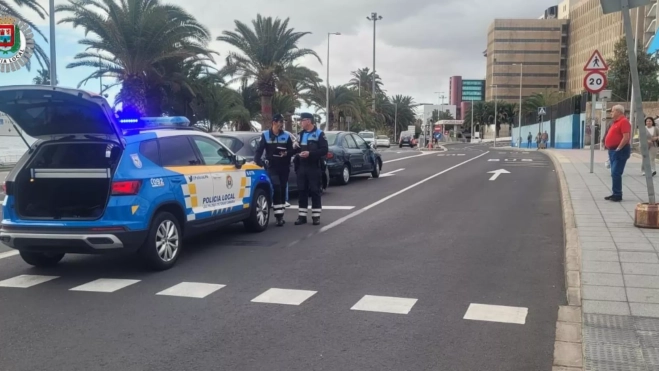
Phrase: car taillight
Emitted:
{"points": [[126, 187], [330, 155], [7, 188]]}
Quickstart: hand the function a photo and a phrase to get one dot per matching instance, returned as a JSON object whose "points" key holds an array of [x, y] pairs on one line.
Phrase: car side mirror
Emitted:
{"points": [[239, 161]]}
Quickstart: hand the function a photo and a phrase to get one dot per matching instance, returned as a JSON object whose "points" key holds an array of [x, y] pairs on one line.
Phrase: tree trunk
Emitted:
{"points": [[266, 112], [244, 126], [133, 92], [288, 119]]}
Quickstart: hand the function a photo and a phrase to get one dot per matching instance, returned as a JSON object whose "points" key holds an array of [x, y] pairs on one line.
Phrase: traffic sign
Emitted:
{"points": [[542, 111], [596, 63], [595, 82]]}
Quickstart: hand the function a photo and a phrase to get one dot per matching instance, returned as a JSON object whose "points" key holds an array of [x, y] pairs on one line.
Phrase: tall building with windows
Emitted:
{"points": [[462, 92], [536, 49]]}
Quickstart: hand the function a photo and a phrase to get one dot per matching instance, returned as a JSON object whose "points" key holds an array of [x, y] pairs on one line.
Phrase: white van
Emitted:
{"points": [[368, 136]]}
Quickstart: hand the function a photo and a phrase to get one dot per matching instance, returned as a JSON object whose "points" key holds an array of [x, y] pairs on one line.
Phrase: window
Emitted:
{"points": [[177, 151], [366, 134], [149, 149], [348, 142], [212, 152], [254, 144], [331, 138], [234, 144], [360, 142]]}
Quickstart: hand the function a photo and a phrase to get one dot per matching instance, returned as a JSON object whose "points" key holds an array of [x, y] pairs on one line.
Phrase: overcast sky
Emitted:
{"points": [[420, 43]]}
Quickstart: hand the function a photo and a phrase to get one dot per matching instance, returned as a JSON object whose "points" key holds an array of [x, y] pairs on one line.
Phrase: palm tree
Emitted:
{"points": [[543, 99], [251, 102], [6, 9], [133, 39], [401, 111], [363, 78], [299, 83], [265, 53], [343, 102], [42, 77]]}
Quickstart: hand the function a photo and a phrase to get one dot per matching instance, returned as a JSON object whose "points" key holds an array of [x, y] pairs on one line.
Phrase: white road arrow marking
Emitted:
{"points": [[391, 173], [497, 173]]}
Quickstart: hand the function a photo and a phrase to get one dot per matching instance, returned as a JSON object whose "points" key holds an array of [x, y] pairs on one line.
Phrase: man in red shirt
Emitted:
{"points": [[617, 142]]}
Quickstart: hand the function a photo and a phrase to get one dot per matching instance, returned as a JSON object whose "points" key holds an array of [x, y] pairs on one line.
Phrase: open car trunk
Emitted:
{"points": [[67, 180]]}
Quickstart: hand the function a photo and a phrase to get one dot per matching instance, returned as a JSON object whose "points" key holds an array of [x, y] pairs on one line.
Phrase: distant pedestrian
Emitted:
{"points": [[545, 139], [529, 139], [538, 140], [653, 145], [617, 143]]}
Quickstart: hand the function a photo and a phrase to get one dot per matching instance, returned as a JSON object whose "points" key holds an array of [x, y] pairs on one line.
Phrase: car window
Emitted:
{"points": [[383, 137], [211, 151], [366, 135], [331, 138], [177, 151], [149, 149], [254, 144], [233, 143], [348, 142], [360, 142]]}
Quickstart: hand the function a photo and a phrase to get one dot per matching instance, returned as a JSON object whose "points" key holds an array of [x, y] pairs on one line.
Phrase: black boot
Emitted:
{"points": [[280, 221], [316, 220], [301, 220]]}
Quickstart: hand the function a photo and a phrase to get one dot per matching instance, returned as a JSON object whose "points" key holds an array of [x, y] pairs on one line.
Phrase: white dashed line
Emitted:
{"points": [[26, 280], [191, 290], [105, 285], [8, 254], [384, 304], [284, 296], [496, 313]]}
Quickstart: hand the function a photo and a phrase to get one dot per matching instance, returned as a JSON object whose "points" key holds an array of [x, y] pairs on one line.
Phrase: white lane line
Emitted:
{"points": [[325, 207], [405, 158], [384, 304], [527, 160], [105, 285], [391, 173], [494, 160], [284, 296], [376, 203], [496, 313], [191, 290], [8, 254], [26, 280]]}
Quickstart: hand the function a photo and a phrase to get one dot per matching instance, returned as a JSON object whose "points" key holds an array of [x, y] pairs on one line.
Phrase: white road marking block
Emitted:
{"points": [[405, 158], [496, 313], [26, 280], [191, 290], [105, 285], [384, 304], [391, 173], [284, 296], [325, 207], [496, 173], [527, 160], [8, 254], [494, 160]]}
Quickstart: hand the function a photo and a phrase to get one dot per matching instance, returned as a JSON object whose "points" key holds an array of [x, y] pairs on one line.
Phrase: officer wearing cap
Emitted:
{"points": [[278, 148], [311, 150]]}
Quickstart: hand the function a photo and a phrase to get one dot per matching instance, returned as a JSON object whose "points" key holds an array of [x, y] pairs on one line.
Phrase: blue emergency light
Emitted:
{"points": [[155, 122]]}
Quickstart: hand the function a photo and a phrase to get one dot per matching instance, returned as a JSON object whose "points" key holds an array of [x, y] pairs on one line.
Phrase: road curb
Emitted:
{"points": [[568, 346]]}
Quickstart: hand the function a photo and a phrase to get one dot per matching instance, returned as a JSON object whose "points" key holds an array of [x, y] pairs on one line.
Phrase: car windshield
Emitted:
{"points": [[331, 138], [366, 135], [383, 137], [233, 143]]}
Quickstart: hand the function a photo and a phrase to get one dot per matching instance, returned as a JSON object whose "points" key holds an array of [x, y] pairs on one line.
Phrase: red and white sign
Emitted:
{"points": [[596, 63], [595, 82]]}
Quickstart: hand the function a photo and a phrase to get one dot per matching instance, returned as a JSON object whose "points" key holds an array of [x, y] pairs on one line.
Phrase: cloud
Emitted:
{"points": [[420, 43]]}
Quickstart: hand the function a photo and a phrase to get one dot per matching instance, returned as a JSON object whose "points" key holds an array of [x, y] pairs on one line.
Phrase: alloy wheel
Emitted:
{"points": [[167, 240]]}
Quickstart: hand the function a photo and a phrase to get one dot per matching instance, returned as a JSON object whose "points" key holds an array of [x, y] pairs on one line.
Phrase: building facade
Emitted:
{"points": [[463, 92], [536, 49]]}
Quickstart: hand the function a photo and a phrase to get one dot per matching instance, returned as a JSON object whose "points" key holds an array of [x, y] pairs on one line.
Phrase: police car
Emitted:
{"points": [[93, 184]]}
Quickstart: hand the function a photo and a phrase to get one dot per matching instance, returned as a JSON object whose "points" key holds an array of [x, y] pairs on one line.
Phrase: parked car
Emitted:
{"points": [[244, 143], [92, 184], [350, 155], [406, 139], [368, 136], [382, 141]]}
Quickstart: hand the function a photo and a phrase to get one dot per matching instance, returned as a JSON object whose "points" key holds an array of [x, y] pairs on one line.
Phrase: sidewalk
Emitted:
{"points": [[619, 265]]}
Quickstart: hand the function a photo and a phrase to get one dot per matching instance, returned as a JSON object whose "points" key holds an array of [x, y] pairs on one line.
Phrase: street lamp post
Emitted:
{"points": [[327, 112], [374, 17], [395, 119], [53, 51], [519, 111], [472, 119]]}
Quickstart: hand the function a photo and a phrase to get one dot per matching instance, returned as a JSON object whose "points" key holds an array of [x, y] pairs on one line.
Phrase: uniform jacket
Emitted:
{"points": [[270, 144], [315, 142]]}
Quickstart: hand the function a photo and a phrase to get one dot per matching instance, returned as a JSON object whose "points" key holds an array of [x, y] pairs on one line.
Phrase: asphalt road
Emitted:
{"points": [[389, 280]]}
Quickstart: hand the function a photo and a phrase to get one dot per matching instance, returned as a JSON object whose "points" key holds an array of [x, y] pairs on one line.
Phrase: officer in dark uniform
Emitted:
{"points": [[278, 147], [311, 151]]}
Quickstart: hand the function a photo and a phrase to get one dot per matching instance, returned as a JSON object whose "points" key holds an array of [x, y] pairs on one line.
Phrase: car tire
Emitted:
{"points": [[165, 231], [41, 259], [259, 216], [376, 169], [400, 146], [344, 178]]}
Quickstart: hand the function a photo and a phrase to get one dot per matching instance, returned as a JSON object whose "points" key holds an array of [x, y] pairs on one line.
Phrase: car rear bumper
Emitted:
{"points": [[72, 241]]}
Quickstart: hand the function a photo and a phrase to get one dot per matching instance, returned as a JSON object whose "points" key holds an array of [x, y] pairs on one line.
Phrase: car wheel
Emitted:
{"points": [[163, 245], [259, 217], [376, 169], [41, 259], [344, 178], [400, 146]]}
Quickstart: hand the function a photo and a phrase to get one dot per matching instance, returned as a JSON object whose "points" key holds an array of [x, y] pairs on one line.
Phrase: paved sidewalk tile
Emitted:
{"points": [[603, 293], [638, 257], [640, 268], [603, 279]]}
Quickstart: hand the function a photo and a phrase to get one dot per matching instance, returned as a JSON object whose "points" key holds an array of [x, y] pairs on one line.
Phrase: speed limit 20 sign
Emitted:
{"points": [[595, 82]]}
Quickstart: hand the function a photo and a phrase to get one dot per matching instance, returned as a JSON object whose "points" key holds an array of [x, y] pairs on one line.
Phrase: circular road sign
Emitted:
{"points": [[595, 82]]}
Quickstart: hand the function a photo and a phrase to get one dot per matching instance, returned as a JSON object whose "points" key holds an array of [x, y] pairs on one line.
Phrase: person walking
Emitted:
{"points": [[529, 139], [538, 141], [278, 148], [311, 150], [653, 144], [545, 139], [617, 143]]}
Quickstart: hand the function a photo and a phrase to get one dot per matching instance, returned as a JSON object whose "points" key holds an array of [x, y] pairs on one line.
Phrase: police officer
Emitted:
{"points": [[311, 152], [278, 148]]}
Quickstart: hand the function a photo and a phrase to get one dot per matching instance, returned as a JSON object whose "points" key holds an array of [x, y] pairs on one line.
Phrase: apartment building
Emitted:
{"points": [[536, 48]]}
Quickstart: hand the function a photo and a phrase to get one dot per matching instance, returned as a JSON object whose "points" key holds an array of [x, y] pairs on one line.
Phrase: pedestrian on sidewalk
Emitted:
{"points": [[529, 139], [538, 139], [545, 139], [617, 143], [653, 144]]}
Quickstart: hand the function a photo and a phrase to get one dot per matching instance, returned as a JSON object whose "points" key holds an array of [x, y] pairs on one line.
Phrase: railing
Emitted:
{"points": [[9, 160]]}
